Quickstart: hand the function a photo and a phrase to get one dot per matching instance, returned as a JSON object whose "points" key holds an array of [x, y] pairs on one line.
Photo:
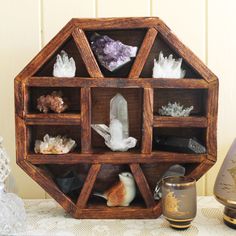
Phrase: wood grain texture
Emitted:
{"points": [[116, 82], [190, 121], [147, 120], [86, 139], [86, 53], [143, 53], [88, 186], [142, 184]]}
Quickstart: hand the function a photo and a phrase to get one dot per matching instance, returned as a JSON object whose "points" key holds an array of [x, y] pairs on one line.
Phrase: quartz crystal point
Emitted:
{"points": [[116, 136], [54, 145], [174, 170], [168, 67], [54, 102], [175, 110], [179, 144], [12, 213], [64, 66], [112, 54]]}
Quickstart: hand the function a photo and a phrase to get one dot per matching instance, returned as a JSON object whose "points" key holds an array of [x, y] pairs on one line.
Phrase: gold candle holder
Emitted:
{"points": [[179, 201]]}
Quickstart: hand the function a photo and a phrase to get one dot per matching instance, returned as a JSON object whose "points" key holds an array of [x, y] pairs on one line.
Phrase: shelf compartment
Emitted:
{"points": [[71, 94], [37, 132], [52, 119], [198, 133], [160, 45], [131, 37], [186, 97], [101, 112], [70, 47], [116, 82], [117, 157], [190, 121]]}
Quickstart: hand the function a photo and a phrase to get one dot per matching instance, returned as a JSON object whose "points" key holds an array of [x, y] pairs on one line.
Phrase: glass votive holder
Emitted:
{"points": [[179, 201]]}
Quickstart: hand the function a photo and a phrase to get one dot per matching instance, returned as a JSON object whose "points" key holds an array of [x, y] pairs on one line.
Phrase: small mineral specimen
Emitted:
{"points": [[179, 144], [168, 67], [174, 170], [175, 110], [64, 66], [54, 102], [116, 136], [112, 54], [54, 145]]}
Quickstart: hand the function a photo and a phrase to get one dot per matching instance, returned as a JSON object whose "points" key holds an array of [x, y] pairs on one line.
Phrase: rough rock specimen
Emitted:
{"points": [[175, 110], [64, 66], [112, 54], [54, 102], [54, 145], [168, 67]]}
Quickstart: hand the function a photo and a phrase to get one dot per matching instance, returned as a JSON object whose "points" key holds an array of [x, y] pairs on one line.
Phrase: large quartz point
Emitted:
{"points": [[168, 67], [112, 54], [174, 170], [54, 145], [12, 211], [179, 144], [64, 66], [116, 136]]}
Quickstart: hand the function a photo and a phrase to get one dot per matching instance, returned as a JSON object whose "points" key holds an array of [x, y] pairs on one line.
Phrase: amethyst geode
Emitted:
{"points": [[112, 54]]}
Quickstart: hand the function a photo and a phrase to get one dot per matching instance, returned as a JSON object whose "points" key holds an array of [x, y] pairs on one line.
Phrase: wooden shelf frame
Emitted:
{"points": [[76, 29]]}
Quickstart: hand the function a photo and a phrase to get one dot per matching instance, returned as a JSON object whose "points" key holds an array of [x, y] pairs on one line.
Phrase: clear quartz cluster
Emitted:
{"points": [[12, 211], [168, 67], [116, 136], [175, 110], [111, 54], [64, 66], [54, 145]]}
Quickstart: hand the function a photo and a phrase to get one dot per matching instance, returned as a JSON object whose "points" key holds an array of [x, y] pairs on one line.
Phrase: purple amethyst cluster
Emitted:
{"points": [[112, 54]]}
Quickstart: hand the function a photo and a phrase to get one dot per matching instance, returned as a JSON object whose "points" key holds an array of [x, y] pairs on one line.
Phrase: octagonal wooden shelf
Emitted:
{"points": [[89, 94]]}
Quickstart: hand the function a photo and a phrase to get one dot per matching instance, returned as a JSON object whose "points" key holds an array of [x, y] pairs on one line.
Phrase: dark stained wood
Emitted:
{"points": [[86, 53], [143, 53], [212, 110], [86, 138], [190, 121], [89, 101], [185, 52], [52, 119], [88, 186], [116, 82], [142, 184], [119, 157], [147, 120]]}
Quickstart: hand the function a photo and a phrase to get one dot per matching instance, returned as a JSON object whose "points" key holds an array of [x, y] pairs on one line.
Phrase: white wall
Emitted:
{"points": [[208, 27]]}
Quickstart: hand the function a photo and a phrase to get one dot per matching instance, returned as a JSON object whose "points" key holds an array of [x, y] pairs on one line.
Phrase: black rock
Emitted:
{"points": [[178, 144]]}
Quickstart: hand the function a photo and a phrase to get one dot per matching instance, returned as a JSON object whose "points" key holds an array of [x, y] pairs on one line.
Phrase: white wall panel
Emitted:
{"points": [[114, 8], [56, 13], [20, 41], [221, 59]]}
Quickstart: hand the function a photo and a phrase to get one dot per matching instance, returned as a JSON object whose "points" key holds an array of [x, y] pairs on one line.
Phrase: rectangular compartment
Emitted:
{"points": [[186, 97], [101, 113], [198, 133], [37, 132], [72, 96]]}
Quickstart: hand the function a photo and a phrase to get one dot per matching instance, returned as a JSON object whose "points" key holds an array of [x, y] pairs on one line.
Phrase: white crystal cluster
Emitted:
{"points": [[12, 211], [168, 67], [175, 110], [116, 136], [54, 145], [64, 66]]}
